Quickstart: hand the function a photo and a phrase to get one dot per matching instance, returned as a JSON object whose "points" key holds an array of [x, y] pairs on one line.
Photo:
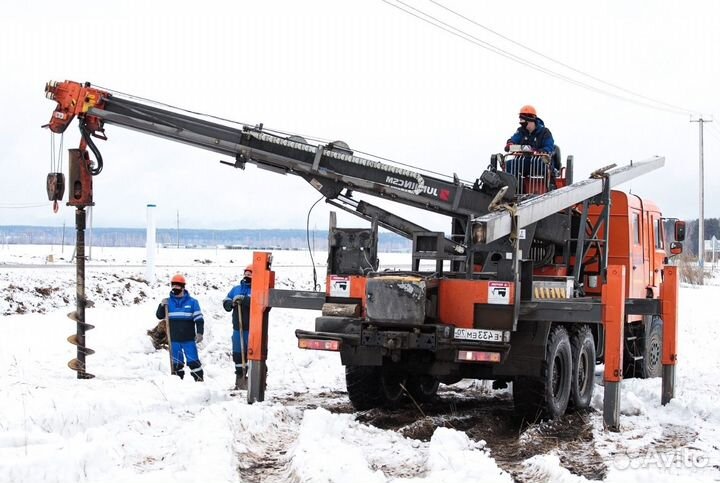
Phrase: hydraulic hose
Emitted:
{"points": [[85, 132]]}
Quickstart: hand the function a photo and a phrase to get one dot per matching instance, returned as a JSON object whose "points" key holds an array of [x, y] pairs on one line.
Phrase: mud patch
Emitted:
{"points": [[270, 464], [266, 459], [481, 414], [664, 448], [674, 436], [571, 439], [491, 418], [45, 291], [333, 401]]}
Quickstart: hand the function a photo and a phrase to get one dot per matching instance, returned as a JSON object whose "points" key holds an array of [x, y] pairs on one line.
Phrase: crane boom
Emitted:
{"points": [[328, 168]]}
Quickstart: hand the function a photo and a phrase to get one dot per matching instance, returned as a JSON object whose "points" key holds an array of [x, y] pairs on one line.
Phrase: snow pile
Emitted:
{"points": [[547, 468], [322, 435], [454, 457]]}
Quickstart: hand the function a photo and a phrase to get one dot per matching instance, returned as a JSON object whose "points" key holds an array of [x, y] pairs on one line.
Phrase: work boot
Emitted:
{"points": [[240, 382]]}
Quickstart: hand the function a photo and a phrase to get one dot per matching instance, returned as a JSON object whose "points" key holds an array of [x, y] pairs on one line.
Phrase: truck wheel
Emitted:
{"points": [[548, 395], [634, 348], [422, 388], [647, 348], [392, 384], [583, 367], [652, 357], [363, 386]]}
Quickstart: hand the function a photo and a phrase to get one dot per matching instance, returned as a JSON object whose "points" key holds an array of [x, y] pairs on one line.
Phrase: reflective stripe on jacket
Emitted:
{"points": [[185, 317]]}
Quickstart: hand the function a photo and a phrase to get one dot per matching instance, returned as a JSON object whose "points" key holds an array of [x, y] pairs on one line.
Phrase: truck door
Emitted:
{"points": [[638, 270], [657, 250]]}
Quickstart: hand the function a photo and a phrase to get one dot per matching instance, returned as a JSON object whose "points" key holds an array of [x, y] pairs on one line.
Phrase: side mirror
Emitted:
{"points": [[679, 232], [676, 248]]}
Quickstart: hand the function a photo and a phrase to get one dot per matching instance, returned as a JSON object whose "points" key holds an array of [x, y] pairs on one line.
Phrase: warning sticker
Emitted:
{"points": [[339, 286], [499, 293]]}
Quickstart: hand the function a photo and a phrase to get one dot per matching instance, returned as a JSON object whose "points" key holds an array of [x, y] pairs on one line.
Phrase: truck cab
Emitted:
{"points": [[637, 242]]}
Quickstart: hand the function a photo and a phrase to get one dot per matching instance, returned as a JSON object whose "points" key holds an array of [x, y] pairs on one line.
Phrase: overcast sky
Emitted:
{"points": [[364, 72]]}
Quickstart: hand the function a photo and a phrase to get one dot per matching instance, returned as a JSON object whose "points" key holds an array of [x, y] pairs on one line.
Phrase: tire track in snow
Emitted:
{"points": [[268, 456]]}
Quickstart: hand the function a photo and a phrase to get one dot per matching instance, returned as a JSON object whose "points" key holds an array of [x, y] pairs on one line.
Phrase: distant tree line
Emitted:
{"points": [[135, 237]]}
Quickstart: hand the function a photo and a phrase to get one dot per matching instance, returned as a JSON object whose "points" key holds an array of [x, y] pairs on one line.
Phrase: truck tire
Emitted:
{"points": [[422, 388], [548, 395], [582, 383], [392, 386], [648, 345], [363, 386], [634, 348], [374, 386], [652, 358]]}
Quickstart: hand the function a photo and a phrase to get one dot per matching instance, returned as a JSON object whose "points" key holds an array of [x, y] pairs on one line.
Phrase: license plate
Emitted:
{"points": [[479, 334]]}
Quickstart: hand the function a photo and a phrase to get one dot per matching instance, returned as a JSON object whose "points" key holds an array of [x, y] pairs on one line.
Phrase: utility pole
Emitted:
{"points": [[177, 231], [701, 218]]}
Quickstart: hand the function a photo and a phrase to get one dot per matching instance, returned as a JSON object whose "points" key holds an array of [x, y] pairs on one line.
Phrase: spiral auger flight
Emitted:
{"points": [[78, 315]]}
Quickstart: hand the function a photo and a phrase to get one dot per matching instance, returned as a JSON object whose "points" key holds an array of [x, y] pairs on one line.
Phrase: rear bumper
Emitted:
{"points": [[393, 339]]}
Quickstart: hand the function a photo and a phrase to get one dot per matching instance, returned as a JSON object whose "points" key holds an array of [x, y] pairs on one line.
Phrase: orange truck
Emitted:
{"points": [[537, 280]]}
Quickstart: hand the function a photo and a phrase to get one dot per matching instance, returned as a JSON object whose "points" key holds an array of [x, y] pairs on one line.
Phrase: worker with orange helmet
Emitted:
{"points": [[184, 318], [532, 132], [238, 301], [532, 135]]}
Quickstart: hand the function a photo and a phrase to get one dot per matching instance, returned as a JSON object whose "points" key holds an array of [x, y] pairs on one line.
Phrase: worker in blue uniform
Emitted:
{"points": [[238, 301], [535, 138], [186, 328]]}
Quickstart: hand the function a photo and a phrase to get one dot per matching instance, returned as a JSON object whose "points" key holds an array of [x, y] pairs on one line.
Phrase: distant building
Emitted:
{"points": [[712, 250]]}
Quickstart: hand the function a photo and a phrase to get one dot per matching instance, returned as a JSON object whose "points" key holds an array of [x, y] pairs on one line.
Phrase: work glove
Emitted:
{"points": [[164, 301], [199, 338], [507, 148], [238, 299]]}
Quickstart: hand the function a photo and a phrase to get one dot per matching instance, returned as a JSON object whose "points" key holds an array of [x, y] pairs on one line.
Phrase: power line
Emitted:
{"points": [[435, 22], [715, 131], [563, 64], [714, 126], [18, 206]]}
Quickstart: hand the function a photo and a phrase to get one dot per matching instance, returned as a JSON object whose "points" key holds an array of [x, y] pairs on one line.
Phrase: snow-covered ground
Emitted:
{"points": [[135, 422]]}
